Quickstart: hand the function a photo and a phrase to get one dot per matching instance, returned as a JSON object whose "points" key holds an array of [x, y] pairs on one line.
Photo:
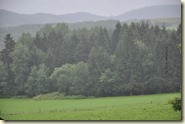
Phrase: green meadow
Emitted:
{"points": [[143, 107]]}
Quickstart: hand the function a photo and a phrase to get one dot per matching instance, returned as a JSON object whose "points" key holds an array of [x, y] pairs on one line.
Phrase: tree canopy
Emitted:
{"points": [[132, 59]]}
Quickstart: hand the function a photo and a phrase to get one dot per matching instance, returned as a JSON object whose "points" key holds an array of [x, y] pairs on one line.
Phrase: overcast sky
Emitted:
{"points": [[98, 7]]}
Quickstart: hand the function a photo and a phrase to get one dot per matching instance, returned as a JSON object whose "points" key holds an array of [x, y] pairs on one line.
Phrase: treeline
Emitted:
{"points": [[16, 31], [129, 60]]}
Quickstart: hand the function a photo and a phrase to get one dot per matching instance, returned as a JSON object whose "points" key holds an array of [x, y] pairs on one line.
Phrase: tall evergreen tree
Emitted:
{"points": [[9, 47], [115, 37], [7, 81]]}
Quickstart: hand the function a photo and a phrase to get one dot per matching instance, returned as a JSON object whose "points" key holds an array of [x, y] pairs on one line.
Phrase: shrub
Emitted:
{"points": [[58, 96], [176, 103], [20, 97], [49, 96], [75, 97]]}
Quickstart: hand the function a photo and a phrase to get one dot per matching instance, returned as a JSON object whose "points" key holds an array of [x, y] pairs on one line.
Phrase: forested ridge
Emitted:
{"points": [[16, 31], [132, 59]]}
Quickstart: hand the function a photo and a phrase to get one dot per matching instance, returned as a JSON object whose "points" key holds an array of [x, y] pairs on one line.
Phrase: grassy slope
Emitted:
{"points": [[109, 108]]}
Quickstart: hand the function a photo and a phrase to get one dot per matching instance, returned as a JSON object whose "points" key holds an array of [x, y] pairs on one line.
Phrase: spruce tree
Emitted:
{"points": [[7, 81]]}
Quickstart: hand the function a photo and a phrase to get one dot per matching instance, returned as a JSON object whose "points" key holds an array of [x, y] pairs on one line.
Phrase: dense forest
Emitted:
{"points": [[132, 59], [16, 31]]}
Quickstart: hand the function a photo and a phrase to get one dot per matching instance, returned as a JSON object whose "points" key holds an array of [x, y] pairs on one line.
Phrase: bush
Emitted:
{"points": [[20, 97], [49, 96], [176, 103], [75, 97], [58, 96]]}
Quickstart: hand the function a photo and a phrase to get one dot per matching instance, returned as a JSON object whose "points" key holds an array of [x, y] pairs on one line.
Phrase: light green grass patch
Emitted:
{"points": [[145, 107]]}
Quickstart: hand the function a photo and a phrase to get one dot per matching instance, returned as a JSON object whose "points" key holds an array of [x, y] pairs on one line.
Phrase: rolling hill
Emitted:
{"points": [[162, 11], [16, 24], [8, 18]]}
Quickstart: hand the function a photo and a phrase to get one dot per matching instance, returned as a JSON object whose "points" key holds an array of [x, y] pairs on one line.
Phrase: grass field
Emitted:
{"points": [[145, 107]]}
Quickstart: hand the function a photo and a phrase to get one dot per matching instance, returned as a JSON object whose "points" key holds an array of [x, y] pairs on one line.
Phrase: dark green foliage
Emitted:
{"points": [[37, 81], [7, 84], [132, 59], [21, 66], [72, 79], [115, 37], [176, 103], [106, 84]]}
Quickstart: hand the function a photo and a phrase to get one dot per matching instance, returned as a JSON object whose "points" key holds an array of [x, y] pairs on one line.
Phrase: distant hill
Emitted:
{"points": [[152, 12], [8, 18], [16, 24]]}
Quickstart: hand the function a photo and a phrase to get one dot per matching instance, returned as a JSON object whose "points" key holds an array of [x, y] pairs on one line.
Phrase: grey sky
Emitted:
{"points": [[98, 7]]}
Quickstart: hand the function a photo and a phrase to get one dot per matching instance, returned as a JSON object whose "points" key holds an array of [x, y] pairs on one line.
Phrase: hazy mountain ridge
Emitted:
{"points": [[8, 18], [171, 15], [13, 19], [162, 11]]}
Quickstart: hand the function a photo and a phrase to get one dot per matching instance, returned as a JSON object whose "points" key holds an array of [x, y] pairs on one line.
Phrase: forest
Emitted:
{"points": [[131, 59]]}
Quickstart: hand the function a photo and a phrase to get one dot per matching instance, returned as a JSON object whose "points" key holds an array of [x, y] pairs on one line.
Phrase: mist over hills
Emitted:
{"points": [[16, 24], [13, 19], [162, 11], [8, 18]]}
